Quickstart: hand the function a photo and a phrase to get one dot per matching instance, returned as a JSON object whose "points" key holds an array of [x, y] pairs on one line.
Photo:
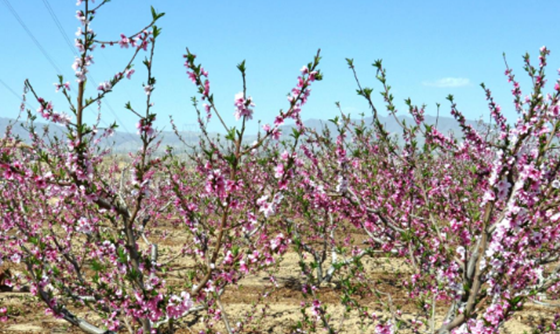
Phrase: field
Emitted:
{"points": [[346, 228], [281, 308]]}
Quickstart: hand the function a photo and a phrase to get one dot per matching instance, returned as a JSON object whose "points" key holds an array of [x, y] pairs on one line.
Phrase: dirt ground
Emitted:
{"points": [[282, 313], [283, 308]]}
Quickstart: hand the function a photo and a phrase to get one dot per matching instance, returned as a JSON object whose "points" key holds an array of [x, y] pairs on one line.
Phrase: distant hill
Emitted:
{"points": [[124, 142], [445, 125]]}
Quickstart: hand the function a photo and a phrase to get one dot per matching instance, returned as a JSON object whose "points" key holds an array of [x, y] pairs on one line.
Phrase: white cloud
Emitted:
{"points": [[448, 83]]}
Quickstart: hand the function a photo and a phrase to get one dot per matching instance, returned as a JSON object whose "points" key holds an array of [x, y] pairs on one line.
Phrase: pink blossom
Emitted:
{"points": [[208, 110], [124, 41], [279, 171], [265, 207], [342, 184], [15, 258], [277, 242], [503, 189], [276, 133], [192, 76], [386, 328], [3, 314], [243, 106], [178, 306], [65, 86], [84, 226], [129, 73], [243, 267], [81, 17], [316, 309], [105, 86]]}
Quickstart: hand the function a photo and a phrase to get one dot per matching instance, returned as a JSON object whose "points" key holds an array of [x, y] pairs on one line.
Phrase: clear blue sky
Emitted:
{"points": [[430, 49]]}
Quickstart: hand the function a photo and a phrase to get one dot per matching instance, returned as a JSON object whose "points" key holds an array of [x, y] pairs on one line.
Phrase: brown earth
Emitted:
{"points": [[283, 310], [282, 306]]}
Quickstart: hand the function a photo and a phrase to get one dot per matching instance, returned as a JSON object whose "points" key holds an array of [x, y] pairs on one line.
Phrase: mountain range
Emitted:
{"points": [[124, 142]]}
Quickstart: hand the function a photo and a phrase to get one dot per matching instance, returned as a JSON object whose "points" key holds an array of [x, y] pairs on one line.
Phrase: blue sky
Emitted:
{"points": [[430, 49]]}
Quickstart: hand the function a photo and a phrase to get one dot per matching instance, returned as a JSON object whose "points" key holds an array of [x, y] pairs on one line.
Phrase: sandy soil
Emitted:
{"points": [[282, 313], [283, 310]]}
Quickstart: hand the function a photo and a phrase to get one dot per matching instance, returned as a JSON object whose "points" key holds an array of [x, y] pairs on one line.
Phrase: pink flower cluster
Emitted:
{"points": [[47, 112], [243, 106], [474, 220]]}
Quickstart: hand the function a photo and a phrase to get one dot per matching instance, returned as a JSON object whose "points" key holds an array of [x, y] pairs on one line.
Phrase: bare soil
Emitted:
{"points": [[283, 310]]}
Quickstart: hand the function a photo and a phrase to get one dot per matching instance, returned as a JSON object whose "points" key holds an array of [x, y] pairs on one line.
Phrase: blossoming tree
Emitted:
{"points": [[146, 244], [475, 219], [88, 231]]}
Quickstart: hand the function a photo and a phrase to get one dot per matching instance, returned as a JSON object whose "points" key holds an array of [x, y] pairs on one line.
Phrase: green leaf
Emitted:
{"points": [[295, 133], [96, 265], [241, 66], [231, 134], [334, 120], [230, 159], [122, 255], [156, 31]]}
